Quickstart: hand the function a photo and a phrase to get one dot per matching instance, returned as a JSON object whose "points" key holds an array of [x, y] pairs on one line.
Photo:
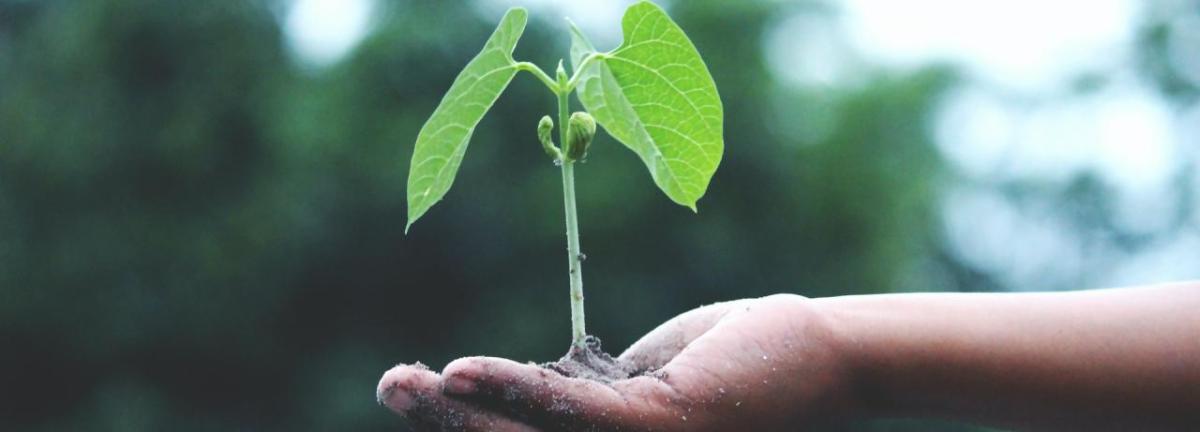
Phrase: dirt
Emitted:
{"points": [[593, 364]]}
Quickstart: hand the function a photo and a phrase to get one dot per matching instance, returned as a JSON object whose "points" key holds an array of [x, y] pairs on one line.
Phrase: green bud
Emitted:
{"points": [[581, 128], [545, 134], [560, 73]]}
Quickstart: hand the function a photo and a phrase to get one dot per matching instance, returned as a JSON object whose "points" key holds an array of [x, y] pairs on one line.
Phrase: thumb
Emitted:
{"points": [[657, 348]]}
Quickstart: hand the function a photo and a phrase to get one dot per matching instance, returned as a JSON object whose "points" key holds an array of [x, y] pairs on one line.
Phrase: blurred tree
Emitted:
{"points": [[147, 224]]}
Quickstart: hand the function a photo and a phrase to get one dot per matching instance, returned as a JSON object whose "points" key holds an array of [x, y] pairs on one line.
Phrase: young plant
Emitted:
{"points": [[653, 94]]}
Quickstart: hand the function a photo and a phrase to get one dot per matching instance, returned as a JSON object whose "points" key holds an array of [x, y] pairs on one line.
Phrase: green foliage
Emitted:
{"points": [[444, 138], [654, 94]]}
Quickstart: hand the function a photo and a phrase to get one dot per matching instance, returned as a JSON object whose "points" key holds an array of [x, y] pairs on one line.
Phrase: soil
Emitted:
{"points": [[593, 364]]}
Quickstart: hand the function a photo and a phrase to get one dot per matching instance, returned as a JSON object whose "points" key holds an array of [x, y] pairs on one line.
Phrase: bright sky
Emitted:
{"points": [[599, 19], [1024, 44], [321, 32]]}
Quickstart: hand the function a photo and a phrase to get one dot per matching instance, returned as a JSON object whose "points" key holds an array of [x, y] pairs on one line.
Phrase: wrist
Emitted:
{"points": [[832, 386], [864, 390]]}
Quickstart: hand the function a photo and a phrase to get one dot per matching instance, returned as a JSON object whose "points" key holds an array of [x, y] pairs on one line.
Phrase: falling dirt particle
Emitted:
{"points": [[764, 381], [683, 417], [721, 390], [764, 357], [739, 403]]}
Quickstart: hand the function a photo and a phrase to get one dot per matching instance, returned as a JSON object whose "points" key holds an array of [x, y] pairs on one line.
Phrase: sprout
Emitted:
{"points": [[658, 100]]}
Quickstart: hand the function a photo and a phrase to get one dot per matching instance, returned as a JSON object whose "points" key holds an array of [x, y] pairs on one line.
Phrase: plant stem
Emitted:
{"points": [[540, 74], [580, 68], [574, 256]]}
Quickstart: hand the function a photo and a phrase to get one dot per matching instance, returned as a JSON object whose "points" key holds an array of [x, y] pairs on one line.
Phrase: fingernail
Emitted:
{"points": [[396, 399], [458, 385]]}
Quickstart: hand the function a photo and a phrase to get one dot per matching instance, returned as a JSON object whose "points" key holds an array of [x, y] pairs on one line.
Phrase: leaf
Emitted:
{"points": [[443, 139], [655, 95]]}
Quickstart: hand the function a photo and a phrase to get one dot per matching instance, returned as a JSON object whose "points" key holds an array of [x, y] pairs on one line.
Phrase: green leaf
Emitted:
{"points": [[443, 139], [654, 94]]}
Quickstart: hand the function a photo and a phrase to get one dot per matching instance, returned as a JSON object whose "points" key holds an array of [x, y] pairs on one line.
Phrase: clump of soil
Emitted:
{"points": [[593, 363]]}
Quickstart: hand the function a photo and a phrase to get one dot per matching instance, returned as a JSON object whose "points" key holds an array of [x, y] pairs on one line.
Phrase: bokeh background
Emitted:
{"points": [[202, 203]]}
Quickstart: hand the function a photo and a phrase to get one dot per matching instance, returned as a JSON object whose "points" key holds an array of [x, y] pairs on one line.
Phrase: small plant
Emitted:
{"points": [[653, 94]]}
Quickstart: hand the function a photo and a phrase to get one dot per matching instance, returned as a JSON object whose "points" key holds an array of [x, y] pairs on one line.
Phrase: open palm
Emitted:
{"points": [[756, 364]]}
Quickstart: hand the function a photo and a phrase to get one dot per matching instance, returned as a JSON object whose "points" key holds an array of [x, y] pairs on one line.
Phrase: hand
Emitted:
{"points": [[756, 364]]}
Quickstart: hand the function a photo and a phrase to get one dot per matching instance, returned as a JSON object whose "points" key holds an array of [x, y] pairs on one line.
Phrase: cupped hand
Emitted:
{"points": [[755, 364]]}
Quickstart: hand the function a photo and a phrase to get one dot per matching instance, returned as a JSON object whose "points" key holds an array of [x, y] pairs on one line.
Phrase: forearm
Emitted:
{"points": [[1080, 360]]}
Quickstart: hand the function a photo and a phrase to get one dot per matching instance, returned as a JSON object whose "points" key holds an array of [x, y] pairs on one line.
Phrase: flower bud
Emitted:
{"points": [[545, 133], [581, 128]]}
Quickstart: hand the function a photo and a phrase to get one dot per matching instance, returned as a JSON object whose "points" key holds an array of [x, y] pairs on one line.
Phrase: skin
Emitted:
{"points": [[1119, 359]]}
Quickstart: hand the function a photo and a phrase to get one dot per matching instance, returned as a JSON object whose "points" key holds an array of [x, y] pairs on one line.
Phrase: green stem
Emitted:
{"points": [[574, 256], [540, 74], [587, 61], [560, 86]]}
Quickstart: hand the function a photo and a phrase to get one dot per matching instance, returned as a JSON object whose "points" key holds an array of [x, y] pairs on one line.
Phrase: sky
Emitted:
{"points": [[321, 32], [1017, 115]]}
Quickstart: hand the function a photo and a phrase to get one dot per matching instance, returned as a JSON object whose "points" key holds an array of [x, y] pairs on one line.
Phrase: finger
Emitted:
{"points": [[415, 393], [544, 398], [662, 344]]}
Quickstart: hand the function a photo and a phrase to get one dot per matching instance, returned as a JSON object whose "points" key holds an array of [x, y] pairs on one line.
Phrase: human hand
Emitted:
{"points": [[755, 364]]}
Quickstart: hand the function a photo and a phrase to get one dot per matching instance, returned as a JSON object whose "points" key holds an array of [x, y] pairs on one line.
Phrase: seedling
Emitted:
{"points": [[653, 94]]}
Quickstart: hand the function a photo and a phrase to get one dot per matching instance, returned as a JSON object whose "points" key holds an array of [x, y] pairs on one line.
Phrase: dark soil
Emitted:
{"points": [[593, 364]]}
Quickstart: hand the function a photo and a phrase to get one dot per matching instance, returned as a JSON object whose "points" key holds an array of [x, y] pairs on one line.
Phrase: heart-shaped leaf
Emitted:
{"points": [[444, 137], [655, 95]]}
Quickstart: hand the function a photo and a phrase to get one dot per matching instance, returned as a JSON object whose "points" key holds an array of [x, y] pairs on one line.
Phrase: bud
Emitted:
{"points": [[545, 133], [560, 73], [581, 128]]}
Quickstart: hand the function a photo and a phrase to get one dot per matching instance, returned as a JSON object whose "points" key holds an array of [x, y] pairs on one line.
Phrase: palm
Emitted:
{"points": [[761, 364]]}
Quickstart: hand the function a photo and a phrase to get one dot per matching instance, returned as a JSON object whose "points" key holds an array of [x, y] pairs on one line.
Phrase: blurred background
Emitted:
{"points": [[202, 203]]}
